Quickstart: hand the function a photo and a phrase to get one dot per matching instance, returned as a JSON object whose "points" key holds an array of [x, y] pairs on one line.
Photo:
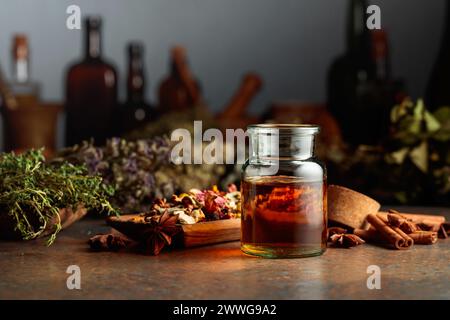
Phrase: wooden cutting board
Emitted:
{"points": [[192, 235]]}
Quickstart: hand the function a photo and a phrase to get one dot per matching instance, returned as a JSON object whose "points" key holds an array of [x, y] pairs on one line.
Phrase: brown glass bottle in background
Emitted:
{"points": [[438, 89], [360, 89], [179, 91], [91, 92], [136, 111], [349, 75], [25, 91]]}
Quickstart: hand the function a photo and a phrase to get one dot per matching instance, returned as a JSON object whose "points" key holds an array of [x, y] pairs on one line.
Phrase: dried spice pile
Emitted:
{"points": [[32, 193], [197, 206], [140, 170], [164, 219]]}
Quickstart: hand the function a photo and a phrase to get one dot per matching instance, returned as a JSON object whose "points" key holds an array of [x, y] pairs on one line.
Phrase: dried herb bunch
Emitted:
{"points": [[140, 170], [166, 218], [412, 164], [32, 192]]}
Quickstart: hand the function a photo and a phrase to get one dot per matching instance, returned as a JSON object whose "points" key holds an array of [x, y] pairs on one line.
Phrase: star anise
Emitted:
{"points": [[335, 230], [160, 232], [346, 240], [108, 242]]}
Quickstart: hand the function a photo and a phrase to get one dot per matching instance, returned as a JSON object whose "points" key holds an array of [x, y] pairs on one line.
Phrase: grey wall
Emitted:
{"points": [[290, 42]]}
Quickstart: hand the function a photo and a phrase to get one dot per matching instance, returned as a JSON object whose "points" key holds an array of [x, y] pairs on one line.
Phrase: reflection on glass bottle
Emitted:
{"points": [[91, 92]]}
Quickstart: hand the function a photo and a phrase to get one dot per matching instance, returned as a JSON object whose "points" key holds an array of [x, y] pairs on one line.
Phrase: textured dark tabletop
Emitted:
{"points": [[30, 270]]}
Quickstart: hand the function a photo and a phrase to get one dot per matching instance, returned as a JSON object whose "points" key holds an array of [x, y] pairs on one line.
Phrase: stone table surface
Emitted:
{"points": [[30, 270]]}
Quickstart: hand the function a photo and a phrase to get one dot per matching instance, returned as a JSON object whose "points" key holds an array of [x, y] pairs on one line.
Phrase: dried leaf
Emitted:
{"points": [[398, 157], [419, 156]]}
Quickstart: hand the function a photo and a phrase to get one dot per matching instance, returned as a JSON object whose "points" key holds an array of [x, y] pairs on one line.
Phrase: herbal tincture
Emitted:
{"points": [[283, 193]]}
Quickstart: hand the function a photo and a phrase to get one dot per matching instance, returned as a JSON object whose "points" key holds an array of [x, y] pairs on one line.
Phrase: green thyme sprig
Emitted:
{"points": [[32, 192]]}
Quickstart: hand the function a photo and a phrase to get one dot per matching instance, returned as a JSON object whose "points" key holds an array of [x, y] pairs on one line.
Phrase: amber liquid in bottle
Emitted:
{"points": [[283, 216], [91, 93]]}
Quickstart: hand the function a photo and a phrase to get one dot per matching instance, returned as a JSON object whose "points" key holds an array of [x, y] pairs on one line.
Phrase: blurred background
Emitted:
{"points": [[140, 68], [291, 44]]}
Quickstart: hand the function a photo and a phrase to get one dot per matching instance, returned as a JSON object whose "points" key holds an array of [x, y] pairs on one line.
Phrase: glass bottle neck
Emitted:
{"points": [[174, 73], [380, 55], [281, 148], [21, 70], [358, 39], [136, 79], [20, 55], [93, 43], [272, 143]]}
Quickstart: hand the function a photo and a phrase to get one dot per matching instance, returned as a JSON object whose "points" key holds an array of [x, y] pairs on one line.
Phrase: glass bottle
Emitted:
{"points": [[136, 111], [284, 207], [25, 90], [91, 92], [348, 87]]}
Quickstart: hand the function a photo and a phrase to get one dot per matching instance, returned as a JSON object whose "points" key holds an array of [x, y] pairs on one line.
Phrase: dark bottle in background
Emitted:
{"points": [[91, 91], [136, 111], [385, 91], [349, 75], [361, 91], [438, 89], [179, 91]]}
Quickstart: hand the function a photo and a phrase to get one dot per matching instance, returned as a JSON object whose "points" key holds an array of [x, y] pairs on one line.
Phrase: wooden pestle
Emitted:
{"points": [[250, 85], [179, 59]]}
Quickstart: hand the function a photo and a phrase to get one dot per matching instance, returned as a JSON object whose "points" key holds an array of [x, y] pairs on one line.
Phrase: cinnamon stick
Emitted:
{"points": [[179, 59], [409, 241], [395, 237], [403, 223], [424, 237], [419, 237], [433, 221], [370, 235]]}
